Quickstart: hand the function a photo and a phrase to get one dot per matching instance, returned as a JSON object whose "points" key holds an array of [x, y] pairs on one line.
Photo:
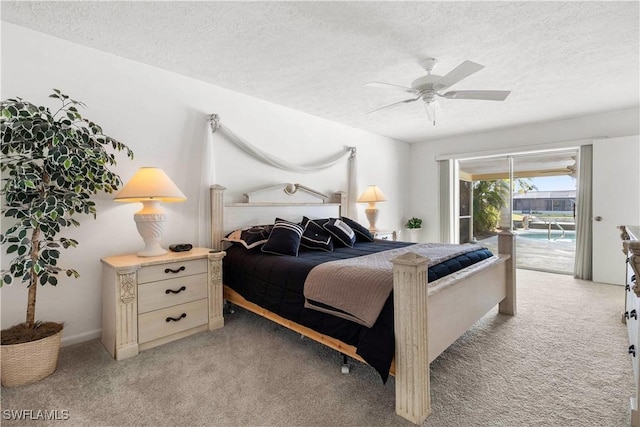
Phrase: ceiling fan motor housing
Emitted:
{"points": [[425, 82], [426, 86]]}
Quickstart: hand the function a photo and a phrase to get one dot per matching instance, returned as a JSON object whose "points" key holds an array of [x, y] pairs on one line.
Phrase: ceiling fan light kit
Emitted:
{"points": [[430, 86], [430, 108]]}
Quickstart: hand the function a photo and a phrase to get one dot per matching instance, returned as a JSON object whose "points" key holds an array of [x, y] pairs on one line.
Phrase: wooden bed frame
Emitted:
{"points": [[425, 323]]}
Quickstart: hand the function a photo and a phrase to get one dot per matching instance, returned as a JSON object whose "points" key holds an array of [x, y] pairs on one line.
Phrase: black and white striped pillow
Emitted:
{"points": [[284, 238], [362, 233], [341, 232]]}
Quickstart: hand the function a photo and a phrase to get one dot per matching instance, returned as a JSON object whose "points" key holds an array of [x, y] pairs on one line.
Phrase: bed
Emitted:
{"points": [[425, 316]]}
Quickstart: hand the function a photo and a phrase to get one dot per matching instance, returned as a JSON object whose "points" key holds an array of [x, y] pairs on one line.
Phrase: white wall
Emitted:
{"points": [[425, 192], [161, 116]]}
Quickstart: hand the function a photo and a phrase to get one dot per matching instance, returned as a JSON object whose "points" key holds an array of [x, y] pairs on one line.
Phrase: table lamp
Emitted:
{"points": [[372, 195], [150, 186]]}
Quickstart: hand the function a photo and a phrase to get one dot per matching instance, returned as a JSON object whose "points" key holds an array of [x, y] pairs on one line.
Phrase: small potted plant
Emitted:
{"points": [[51, 165], [413, 226]]}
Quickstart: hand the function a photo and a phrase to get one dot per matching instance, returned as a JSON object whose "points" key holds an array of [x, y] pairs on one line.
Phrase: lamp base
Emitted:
{"points": [[151, 251], [372, 216], [150, 226]]}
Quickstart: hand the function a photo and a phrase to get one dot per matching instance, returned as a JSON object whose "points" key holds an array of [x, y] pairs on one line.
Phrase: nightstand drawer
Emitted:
{"points": [[166, 293], [161, 323], [171, 270]]}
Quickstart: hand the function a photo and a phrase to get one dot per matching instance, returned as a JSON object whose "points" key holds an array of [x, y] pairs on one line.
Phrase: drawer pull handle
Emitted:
{"points": [[626, 314], [632, 350], [627, 287], [633, 278], [168, 270], [176, 319], [171, 291], [633, 314]]}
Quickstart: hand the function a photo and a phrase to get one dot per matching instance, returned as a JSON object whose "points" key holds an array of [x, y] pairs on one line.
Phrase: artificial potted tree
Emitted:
{"points": [[413, 226], [51, 164]]}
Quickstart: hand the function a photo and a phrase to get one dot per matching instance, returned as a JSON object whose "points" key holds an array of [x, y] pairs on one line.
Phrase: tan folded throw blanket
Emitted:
{"points": [[357, 288]]}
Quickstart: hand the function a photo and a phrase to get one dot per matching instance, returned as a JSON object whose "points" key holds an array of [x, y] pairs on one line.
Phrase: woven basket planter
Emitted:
{"points": [[29, 362]]}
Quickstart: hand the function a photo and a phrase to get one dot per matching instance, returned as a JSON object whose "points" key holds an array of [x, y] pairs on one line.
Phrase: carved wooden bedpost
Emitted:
{"points": [[217, 217], [410, 325], [214, 289], [507, 246]]}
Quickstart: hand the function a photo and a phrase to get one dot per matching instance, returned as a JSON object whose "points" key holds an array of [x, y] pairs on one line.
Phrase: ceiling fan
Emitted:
{"points": [[428, 88]]}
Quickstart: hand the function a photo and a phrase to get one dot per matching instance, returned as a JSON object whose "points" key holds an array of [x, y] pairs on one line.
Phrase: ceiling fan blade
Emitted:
{"points": [[395, 104], [487, 95], [389, 85], [462, 71]]}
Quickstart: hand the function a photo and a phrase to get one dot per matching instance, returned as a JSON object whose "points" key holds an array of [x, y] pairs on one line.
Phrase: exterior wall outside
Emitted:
{"points": [[545, 202], [543, 206]]}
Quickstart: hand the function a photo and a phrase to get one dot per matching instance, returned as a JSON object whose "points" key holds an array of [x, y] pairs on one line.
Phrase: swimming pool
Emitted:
{"points": [[535, 252], [554, 235]]}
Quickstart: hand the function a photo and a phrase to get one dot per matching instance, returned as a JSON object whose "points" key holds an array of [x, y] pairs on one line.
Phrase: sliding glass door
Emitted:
{"points": [[544, 209], [532, 194]]}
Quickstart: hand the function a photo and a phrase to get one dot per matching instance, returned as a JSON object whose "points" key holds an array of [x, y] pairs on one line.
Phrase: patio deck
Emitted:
{"points": [[556, 256]]}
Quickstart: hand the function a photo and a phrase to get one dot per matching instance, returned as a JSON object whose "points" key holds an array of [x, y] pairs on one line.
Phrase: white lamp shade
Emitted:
{"points": [[150, 184], [372, 194]]}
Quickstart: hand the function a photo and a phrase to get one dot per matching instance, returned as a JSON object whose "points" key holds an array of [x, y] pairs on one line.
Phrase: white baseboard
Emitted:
{"points": [[75, 339]]}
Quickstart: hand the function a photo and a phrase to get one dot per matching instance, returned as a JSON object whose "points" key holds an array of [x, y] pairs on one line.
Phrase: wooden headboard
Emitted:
{"points": [[263, 205]]}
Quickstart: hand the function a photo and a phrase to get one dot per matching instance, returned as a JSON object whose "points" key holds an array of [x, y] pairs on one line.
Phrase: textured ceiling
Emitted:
{"points": [[559, 59]]}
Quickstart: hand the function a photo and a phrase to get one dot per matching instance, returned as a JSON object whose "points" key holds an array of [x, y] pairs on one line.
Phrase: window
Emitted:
{"points": [[465, 216]]}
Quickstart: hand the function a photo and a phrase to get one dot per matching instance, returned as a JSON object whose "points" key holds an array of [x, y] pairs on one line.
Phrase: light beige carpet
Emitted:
{"points": [[560, 362]]}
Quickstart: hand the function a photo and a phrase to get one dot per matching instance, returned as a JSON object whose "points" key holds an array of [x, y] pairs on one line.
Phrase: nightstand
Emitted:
{"points": [[384, 235], [151, 301]]}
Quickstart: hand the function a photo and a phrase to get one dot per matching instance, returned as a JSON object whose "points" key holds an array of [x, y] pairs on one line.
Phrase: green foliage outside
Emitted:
{"points": [[52, 163], [489, 197]]}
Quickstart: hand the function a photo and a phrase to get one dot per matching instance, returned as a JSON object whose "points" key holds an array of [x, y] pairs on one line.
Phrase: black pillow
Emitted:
{"points": [[362, 233], [320, 222], [316, 237], [341, 232], [284, 238], [250, 237], [304, 221]]}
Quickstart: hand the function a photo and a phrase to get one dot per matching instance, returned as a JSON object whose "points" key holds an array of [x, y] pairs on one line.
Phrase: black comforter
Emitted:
{"points": [[276, 283]]}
